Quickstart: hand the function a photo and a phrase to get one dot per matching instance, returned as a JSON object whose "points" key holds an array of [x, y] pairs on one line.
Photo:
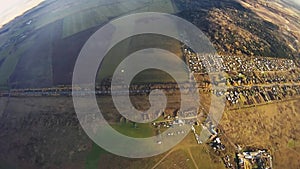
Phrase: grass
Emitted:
{"points": [[293, 143], [10, 63], [81, 21], [204, 160], [164, 6], [92, 160], [62, 9], [135, 130], [91, 17], [178, 159], [130, 45], [129, 129]]}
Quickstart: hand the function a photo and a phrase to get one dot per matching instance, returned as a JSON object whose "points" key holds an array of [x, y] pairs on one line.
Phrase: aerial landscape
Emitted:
{"points": [[254, 72]]}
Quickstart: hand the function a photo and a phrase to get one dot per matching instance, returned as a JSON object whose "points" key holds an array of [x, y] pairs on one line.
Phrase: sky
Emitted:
{"points": [[296, 1], [9, 9]]}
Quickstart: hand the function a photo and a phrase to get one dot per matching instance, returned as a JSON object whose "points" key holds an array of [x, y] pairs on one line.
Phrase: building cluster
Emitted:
{"points": [[177, 118], [163, 124], [251, 64], [203, 63], [259, 78], [197, 136], [29, 92], [228, 162], [256, 95], [250, 159], [250, 80], [217, 145], [100, 90], [214, 63], [259, 159], [215, 142]]}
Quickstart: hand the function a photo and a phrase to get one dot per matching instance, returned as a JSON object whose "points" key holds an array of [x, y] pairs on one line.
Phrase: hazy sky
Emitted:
{"points": [[9, 9], [296, 1]]}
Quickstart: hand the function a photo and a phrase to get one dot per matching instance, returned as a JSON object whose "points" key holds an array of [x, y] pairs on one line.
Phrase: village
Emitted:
{"points": [[243, 158], [249, 81]]}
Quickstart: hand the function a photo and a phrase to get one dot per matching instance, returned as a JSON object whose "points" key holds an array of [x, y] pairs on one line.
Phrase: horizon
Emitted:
{"points": [[10, 9]]}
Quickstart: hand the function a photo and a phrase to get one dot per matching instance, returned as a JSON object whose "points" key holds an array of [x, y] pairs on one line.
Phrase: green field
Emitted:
{"points": [[164, 6], [81, 21], [10, 63], [129, 129], [61, 9], [92, 160], [72, 17], [135, 130], [115, 56], [94, 12], [12, 53], [91, 17]]}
